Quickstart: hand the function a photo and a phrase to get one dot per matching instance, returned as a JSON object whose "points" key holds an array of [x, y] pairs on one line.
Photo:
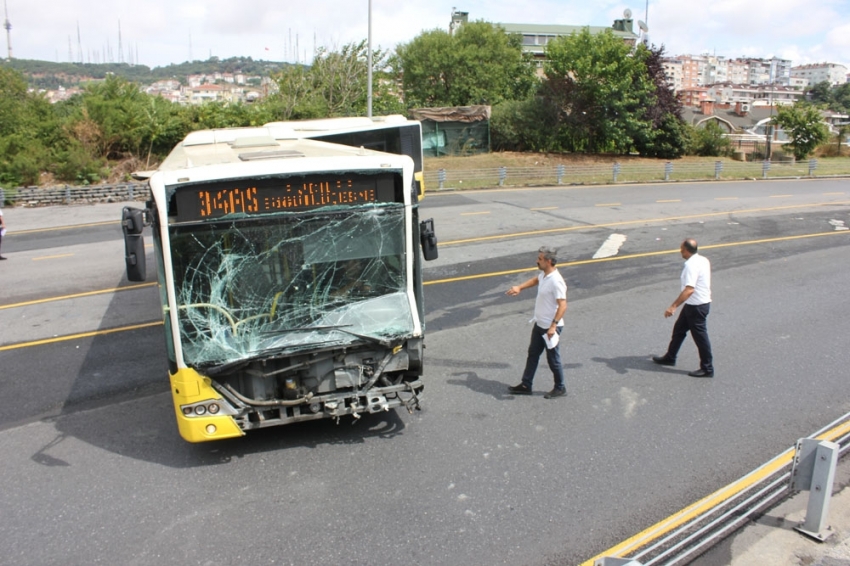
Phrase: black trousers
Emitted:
{"points": [[692, 318]]}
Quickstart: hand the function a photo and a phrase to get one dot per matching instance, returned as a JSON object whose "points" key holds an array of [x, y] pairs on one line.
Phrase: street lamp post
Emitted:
{"points": [[369, 64]]}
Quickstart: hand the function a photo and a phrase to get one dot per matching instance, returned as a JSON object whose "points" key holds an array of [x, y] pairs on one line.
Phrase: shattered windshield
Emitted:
{"points": [[290, 281]]}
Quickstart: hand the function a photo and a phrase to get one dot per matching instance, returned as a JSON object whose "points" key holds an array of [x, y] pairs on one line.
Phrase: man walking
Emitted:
{"points": [[696, 295], [548, 322]]}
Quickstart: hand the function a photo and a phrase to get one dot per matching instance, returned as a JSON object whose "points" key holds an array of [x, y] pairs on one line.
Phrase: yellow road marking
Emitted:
{"points": [[449, 280], [544, 208], [51, 257], [78, 295], [629, 222], [726, 198], [707, 503], [632, 256], [78, 336], [780, 196], [473, 213], [831, 194], [608, 204], [670, 200]]}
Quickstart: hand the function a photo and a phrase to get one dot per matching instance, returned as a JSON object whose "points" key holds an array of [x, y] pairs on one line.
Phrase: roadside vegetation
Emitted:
{"points": [[597, 99]]}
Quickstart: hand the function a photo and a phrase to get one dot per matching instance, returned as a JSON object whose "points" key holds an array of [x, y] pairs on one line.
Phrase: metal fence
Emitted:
{"points": [[619, 173], [624, 173], [443, 179]]}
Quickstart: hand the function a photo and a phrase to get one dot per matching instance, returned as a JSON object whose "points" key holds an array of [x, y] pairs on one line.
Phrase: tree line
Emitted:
{"points": [[594, 94]]}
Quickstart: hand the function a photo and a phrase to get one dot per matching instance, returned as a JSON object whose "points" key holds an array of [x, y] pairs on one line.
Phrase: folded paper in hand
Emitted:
{"points": [[551, 342]]}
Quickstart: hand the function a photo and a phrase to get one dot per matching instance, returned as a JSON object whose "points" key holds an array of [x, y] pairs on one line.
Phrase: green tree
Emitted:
{"points": [[804, 125], [600, 89], [28, 127], [479, 64], [336, 84], [667, 135]]}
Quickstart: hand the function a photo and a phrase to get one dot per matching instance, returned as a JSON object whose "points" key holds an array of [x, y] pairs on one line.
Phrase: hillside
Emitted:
{"points": [[48, 75]]}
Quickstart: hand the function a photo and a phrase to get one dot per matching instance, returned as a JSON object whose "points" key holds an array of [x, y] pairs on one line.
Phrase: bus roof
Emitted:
{"points": [[242, 145], [308, 128]]}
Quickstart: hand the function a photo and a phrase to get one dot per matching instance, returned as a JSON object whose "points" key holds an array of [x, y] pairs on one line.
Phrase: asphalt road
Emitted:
{"points": [[95, 472]]}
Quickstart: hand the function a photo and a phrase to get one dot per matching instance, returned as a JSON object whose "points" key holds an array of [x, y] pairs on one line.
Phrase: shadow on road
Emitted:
{"points": [[145, 429], [623, 364]]}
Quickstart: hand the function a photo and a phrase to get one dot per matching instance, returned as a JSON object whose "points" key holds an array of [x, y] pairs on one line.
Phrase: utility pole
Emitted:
{"points": [[8, 27], [369, 64]]}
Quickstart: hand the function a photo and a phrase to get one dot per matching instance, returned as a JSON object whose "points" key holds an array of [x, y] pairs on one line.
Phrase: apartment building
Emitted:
{"points": [[833, 73]]}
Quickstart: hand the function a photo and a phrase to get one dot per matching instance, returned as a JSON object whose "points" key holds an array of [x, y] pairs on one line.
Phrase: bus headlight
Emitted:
{"points": [[213, 408], [200, 410]]}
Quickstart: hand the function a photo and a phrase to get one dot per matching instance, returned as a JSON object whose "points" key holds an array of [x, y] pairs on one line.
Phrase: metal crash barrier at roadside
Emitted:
{"points": [[810, 465]]}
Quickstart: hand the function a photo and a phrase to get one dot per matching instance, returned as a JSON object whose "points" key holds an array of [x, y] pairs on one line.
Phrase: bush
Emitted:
{"points": [[75, 164], [522, 125], [23, 160], [709, 141]]}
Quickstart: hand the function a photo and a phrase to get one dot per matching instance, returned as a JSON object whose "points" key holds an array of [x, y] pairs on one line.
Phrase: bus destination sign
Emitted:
{"points": [[269, 195]]}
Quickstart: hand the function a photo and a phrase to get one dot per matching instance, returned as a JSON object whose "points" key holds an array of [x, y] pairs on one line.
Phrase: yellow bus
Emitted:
{"points": [[290, 277]]}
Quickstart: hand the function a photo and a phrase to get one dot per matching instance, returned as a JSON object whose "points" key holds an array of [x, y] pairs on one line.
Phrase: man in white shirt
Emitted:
{"points": [[548, 322], [696, 295]]}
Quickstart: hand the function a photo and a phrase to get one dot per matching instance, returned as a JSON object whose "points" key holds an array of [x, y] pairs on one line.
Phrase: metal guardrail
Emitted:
{"points": [[442, 179], [445, 179], [693, 532]]}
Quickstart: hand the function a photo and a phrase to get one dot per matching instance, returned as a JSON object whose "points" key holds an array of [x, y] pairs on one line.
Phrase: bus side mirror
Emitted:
{"points": [[428, 239], [132, 223]]}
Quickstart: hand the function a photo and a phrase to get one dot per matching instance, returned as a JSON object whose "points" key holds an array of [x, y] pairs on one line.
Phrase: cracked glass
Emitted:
{"points": [[253, 285]]}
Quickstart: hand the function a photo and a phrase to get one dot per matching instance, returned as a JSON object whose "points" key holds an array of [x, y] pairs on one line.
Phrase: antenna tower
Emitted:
{"points": [[120, 48], [79, 44], [8, 25]]}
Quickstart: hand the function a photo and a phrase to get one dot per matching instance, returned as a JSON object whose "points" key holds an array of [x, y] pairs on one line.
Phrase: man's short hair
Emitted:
{"points": [[690, 245], [549, 254]]}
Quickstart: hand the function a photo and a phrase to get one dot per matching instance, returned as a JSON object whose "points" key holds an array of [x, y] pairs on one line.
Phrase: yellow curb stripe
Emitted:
{"points": [[709, 502]]}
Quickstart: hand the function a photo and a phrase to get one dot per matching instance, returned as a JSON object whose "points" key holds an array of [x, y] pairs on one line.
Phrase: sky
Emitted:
{"points": [[159, 32]]}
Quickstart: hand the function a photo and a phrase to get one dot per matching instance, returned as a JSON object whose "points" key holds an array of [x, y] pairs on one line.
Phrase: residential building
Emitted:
{"points": [[673, 70], [833, 73], [536, 36]]}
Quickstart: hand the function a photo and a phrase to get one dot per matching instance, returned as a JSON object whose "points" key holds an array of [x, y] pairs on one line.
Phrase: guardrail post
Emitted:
{"points": [[814, 471], [503, 174], [560, 169], [668, 168], [765, 167], [718, 168], [612, 561], [616, 171], [813, 164], [67, 194], [2, 196], [441, 177]]}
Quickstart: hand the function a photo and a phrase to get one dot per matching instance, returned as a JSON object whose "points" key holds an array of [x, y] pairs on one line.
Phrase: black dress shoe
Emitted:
{"points": [[521, 389], [701, 373], [663, 361]]}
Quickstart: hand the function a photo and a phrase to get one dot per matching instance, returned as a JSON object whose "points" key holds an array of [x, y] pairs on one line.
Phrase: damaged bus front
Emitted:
{"points": [[290, 279]]}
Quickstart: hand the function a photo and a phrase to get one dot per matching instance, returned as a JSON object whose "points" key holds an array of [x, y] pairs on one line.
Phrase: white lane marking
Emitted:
{"points": [[611, 246], [839, 224]]}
